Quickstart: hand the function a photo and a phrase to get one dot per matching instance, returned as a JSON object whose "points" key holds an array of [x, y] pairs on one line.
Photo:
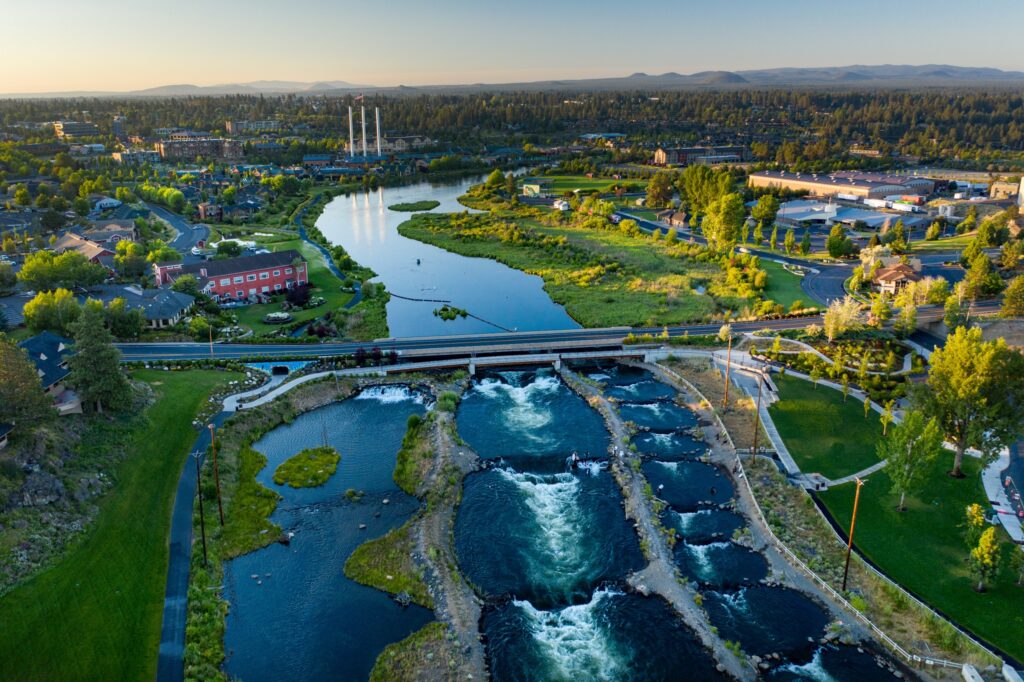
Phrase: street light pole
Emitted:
{"points": [[853, 523], [757, 414], [202, 519], [216, 472], [728, 367]]}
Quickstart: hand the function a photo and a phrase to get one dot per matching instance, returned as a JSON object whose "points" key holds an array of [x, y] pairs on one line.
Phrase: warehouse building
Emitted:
{"points": [[858, 185]]}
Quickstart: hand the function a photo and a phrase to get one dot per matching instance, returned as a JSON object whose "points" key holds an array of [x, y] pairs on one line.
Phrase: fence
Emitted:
{"points": [[792, 557]]}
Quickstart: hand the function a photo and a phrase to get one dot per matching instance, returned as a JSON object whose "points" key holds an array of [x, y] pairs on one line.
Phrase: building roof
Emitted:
{"points": [[49, 352], [73, 242], [155, 304], [230, 266], [899, 272]]}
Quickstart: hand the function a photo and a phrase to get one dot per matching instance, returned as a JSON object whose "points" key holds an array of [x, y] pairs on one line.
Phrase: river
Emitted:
{"points": [[503, 297]]}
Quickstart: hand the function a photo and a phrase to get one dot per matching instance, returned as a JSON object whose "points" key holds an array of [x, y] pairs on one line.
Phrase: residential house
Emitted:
{"points": [[241, 209], [93, 252], [674, 218], [103, 203], [110, 232], [892, 278], [161, 307], [241, 278], [50, 352], [128, 212], [208, 210]]}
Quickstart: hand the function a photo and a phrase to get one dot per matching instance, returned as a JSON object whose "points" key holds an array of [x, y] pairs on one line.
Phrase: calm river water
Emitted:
{"points": [[368, 230]]}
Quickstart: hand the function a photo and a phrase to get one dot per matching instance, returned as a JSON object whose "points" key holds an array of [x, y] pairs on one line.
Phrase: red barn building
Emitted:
{"points": [[245, 277]]}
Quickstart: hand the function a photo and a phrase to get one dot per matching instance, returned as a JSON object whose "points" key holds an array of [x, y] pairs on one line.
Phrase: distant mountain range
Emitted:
{"points": [[857, 76]]}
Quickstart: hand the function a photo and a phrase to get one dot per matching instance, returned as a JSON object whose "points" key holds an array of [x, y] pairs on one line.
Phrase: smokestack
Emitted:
{"points": [[351, 136], [376, 111], [363, 109]]}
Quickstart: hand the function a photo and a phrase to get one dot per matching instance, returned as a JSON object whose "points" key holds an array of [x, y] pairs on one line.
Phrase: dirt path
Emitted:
{"points": [[661, 576], [455, 603]]}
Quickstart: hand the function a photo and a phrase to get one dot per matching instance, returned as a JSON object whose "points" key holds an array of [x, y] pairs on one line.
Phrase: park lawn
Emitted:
{"points": [[560, 184], [824, 434], [323, 281], [923, 549], [783, 286], [957, 243], [96, 614]]}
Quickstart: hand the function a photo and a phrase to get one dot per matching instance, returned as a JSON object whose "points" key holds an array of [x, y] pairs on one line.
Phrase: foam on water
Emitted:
{"points": [[592, 467], [574, 641], [599, 376], [687, 519], [812, 670], [525, 413], [702, 553], [388, 395], [553, 500]]}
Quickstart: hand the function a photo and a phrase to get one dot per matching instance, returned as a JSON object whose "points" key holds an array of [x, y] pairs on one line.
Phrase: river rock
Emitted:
{"points": [[40, 489]]}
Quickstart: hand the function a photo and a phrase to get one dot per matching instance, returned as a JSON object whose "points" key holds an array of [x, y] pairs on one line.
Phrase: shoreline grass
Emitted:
{"points": [[415, 206], [386, 564]]}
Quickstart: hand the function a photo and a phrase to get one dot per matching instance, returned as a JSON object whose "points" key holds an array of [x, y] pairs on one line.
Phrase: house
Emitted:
{"points": [[127, 212], [892, 278], [674, 218], [241, 209], [102, 203], [50, 352], [5, 430], [317, 160], [93, 252], [210, 211], [161, 307], [244, 277], [110, 232]]}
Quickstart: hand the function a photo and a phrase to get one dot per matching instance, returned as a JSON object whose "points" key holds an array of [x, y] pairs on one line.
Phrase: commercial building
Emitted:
{"points": [[136, 157], [189, 148], [249, 127], [853, 185], [65, 129], [808, 212], [244, 277], [1002, 189], [684, 156]]}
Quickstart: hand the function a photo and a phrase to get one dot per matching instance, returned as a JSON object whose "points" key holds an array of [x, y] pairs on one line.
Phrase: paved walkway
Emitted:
{"points": [[992, 479]]}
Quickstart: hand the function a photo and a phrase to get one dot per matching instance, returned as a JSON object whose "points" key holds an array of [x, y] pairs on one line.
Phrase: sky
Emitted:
{"points": [[117, 45]]}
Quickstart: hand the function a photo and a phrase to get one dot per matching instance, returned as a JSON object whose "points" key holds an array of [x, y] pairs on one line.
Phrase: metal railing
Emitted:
{"points": [[818, 580]]}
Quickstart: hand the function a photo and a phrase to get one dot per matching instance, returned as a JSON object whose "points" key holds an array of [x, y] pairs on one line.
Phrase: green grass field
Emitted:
{"points": [[96, 614], [923, 549], [824, 434], [784, 287], [324, 283], [560, 184], [958, 243]]}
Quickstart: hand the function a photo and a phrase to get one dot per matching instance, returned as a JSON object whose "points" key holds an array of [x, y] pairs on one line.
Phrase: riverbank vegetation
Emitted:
{"points": [[387, 564], [426, 654], [416, 455], [604, 275], [309, 468], [108, 590], [413, 206]]}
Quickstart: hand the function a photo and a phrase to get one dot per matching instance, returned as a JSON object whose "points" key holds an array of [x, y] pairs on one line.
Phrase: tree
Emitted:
{"points": [[887, 416], [805, 243], [838, 244], [721, 225], [659, 190], [975, 389], [766, 208], [495, 179], [96, 365], [933, 232], [790, 241], [8, 280], [54, 310], [985, 558], [159, 252], [672, 237], [44, 271], [909, 451], [21, 397], [867, 408], [845, 381], [906, 322], [815, 374], [953, 315], [124, 322], [981, 279], [130, 258], [228, 249], [759, 234], [1009, 255], [842, 316], [773, 241], [188, 284], [1013, 299], [881, 310]]}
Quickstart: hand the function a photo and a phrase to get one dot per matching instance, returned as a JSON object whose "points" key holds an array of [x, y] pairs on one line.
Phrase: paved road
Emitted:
{"points": [[189, 235], [511, 342]]}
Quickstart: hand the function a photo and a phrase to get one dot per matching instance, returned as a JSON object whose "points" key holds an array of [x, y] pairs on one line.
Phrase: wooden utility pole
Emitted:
{"points": [[202, 519], [853, 523], [757, 414], [728, 368], [216, 473]]}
